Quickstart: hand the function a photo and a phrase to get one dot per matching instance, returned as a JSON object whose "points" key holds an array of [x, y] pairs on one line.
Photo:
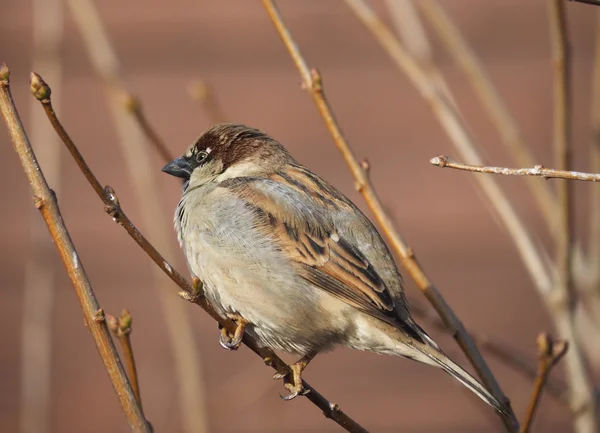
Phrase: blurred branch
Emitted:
{"points": [[45, 202], [410, 29], [40, 268], [549, 352], [593, 285], [191, 293], [205, 96], [121, 328], [130, 129], [491, 100], [133, 106], [539, 171], [457, 132], [562, 301], [313, 83]]}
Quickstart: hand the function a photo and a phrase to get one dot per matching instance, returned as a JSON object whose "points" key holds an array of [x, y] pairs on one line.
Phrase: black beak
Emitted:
{"points": [[179, 167]]}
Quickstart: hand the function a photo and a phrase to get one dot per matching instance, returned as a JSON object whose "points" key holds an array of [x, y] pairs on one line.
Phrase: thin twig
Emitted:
{"points": [[41, 266], [130, 129], [313, 83], [205, 96], [412, 33], [457, 132], [549, 352], [493, 103], [190, 292], [133, 106], [121, 328], [539, 171], [45, 202], [562, 301]]}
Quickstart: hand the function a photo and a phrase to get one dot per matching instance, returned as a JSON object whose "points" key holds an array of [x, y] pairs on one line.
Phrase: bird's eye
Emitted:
{"points": [[201, 156]]}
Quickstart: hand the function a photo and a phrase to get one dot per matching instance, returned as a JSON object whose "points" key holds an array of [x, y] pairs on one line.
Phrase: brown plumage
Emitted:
{"points": [[289, 257]]}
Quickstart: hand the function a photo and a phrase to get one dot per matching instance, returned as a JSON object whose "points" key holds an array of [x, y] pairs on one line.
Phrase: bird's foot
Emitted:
{"points": [[231, 341], [292, 381]]}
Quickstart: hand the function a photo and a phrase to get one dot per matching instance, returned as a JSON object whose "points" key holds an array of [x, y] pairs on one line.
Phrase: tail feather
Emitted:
{"points": [[432, 351], [470, 382]]}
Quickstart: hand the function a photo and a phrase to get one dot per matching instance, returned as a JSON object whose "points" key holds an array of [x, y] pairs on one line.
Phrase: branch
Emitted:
{"points": [[593, 285], [134, 107], [205, 96], [45, 202], [130, 127], [539, 171], [550, 352], [312, 82], [492, 102], [121, 328], [561, 303], [191, 293]]}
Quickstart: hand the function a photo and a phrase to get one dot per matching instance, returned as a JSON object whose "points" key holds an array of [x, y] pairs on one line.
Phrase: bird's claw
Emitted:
{"points": [[228, 341], [233, 341], [292, 381], [278, 375]]}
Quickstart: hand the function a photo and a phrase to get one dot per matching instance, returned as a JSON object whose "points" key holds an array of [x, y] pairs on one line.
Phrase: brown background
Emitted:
{"points": [[233, 46]]}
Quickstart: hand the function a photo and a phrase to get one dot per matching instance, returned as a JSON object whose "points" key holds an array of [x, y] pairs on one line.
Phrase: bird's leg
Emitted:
{"points": [[293, 382], [229, 341]]}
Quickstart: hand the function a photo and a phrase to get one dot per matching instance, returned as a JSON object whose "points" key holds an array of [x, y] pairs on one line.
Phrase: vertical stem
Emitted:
{"points": [[594, 260], [39, 285], [561, 301]]}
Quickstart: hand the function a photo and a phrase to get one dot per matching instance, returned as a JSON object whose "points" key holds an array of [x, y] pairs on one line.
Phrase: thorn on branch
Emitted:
{"points": [[38, 202], [365, 165], [316, 81], [99, 316]]}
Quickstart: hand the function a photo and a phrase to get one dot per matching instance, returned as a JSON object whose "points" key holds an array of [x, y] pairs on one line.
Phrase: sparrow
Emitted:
{"points": [[291, 259]]}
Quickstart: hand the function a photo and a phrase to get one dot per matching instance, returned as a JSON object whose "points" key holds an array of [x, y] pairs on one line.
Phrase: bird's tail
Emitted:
{"points": [[439, 359]]}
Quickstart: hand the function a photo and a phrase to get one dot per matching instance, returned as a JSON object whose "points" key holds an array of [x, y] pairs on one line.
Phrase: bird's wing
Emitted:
{"points": [[294, 208]]}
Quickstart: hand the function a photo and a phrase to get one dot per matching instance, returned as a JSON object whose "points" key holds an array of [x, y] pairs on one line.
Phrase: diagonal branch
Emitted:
{"points": [[492, 102], [45, 201], [537, 171], [204, 94], [192, 395], [312, 82], [191, 293]]}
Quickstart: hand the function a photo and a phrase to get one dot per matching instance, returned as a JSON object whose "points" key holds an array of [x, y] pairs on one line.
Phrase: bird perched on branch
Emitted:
{"points": [[290, 259]]}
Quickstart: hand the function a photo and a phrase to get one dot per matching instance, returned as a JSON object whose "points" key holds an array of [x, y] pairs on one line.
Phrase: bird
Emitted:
{"points": [[290, 259]]}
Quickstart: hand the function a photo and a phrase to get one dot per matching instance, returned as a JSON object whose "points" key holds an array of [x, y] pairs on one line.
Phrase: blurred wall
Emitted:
{"points": [[234, 48]]}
